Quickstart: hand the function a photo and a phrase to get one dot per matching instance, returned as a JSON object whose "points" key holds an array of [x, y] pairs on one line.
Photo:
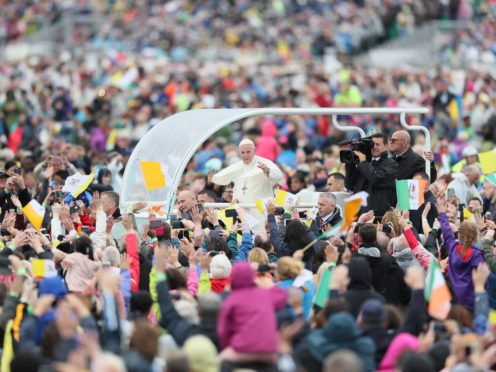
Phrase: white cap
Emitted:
{"points": [[246, 141], [469, 151]]}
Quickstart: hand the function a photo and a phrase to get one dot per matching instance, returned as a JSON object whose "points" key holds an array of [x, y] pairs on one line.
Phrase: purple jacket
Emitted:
{"points": [[460, 269], [248, 313]]}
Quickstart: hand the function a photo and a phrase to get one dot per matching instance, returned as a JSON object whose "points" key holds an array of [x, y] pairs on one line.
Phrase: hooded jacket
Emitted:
{"points": [[400, 344], [341, 332], [396, 290], [360, 287], [379, 262], [460, 267], [249, 312], [267, 146]]}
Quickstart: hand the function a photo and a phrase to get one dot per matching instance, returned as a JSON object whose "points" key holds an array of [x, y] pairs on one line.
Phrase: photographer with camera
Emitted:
{"points": [[371, 170]]}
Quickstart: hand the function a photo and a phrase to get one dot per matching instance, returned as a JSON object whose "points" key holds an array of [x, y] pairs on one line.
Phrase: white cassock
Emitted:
{"points": [[251, 184]]}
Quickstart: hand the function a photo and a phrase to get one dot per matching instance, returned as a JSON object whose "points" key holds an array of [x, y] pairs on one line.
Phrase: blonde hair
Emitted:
{"points": [[390, 216], [259, 256], [288, 268], [468, 233]]}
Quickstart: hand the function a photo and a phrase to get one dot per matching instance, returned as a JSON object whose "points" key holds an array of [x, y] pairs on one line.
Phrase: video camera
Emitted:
{"points": [[363, 145]]}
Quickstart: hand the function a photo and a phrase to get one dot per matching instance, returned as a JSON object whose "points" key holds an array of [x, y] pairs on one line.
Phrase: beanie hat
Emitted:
{"points": [[201, 353], [373, 311], [220, 267]]}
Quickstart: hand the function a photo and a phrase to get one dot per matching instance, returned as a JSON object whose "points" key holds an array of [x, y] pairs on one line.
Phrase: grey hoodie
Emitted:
{"points": [[405, 259]]}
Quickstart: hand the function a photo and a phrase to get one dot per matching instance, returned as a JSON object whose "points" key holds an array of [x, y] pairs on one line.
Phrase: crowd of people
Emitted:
{"points": [[203, 291]]}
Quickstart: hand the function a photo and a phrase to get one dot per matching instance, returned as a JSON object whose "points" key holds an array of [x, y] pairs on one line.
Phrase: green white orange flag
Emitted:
{"points": [[323, 290], [153, 175], [34, 212], [351, 206], [437, 293], [410, 194]]}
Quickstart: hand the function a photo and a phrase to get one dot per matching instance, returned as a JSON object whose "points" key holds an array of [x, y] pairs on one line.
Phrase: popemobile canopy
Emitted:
{"points": [[174, 141]]}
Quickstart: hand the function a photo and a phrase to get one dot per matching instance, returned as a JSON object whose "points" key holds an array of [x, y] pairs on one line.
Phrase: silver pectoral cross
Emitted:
{"points": [[244, 189]]}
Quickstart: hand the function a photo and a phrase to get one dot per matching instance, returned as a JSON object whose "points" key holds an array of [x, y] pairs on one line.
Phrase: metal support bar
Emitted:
{"points": [[250, 205], [350, 128], [427, 135]]}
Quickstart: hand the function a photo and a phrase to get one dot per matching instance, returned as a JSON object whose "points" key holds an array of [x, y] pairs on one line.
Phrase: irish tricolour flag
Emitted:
{"points": [[410, 194], [437, 293]]}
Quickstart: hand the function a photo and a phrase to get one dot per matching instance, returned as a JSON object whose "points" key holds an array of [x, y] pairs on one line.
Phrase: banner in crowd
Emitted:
{"points": [[34, 212], [43, 268], [323, 291], [153, 175], [488, 161], [77, 183], [351, 206], [410, 194], [285, 199]]}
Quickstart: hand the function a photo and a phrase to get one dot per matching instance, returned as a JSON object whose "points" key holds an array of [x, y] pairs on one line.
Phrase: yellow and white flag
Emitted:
{"points": [[153, 174], [261, 205], [43, 268], [77, 183], [34, 212], [468, 216], [285, 199]]}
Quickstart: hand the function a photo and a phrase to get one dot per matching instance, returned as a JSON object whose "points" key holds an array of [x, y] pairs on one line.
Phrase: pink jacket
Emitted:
{"points": [[134, 263], [267, 146], [423, 256], [193, 281], [249, 312]]}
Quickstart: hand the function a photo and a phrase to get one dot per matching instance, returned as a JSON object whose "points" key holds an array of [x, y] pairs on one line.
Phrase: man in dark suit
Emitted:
{"points": [[377, 177], [409, 162], [329, 214]]}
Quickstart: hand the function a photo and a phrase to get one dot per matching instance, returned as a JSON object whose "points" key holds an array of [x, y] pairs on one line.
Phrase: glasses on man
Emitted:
{"points": [[393, 140]]}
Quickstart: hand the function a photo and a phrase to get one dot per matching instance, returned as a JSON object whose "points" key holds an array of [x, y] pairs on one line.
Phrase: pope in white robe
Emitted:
{"points": [[254, 178]]}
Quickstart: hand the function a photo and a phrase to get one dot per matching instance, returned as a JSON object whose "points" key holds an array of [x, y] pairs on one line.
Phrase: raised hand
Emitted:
{"points": [[16, 201], [442, 205], [187, 247], [212, 216], [139, 206]]}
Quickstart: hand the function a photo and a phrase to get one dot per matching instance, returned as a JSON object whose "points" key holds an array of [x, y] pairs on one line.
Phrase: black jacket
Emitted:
{"points": [[416, 215], [379, 263], [378, 179], [414, 320], [410, 163], [360, 288]]}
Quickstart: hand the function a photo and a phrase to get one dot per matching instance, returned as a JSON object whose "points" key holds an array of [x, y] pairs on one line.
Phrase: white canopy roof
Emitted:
{"points": [[174, 140]]}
